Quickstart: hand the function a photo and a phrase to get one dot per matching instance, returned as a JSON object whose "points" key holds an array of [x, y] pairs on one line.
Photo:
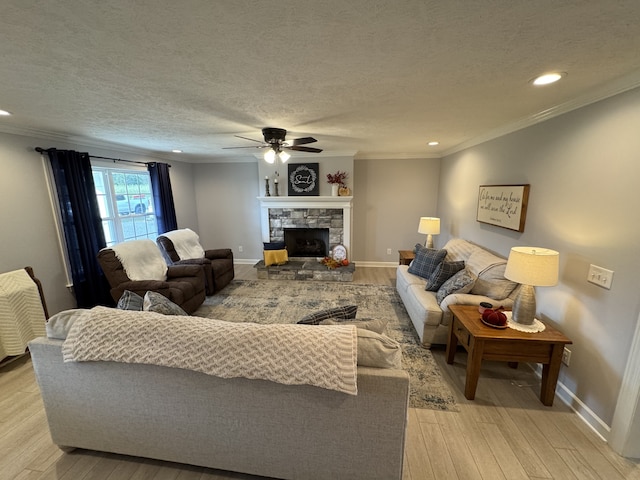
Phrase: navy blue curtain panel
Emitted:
{"points": [[162, 197], [82, 225]]}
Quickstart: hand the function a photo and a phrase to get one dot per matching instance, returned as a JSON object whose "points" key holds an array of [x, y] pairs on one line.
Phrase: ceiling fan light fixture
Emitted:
{"points": [[284, 156], [270, 156], [547, 78]]}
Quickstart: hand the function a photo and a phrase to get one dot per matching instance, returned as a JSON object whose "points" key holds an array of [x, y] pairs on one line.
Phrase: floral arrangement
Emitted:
{"points": [[338, 177], [331, 263]]}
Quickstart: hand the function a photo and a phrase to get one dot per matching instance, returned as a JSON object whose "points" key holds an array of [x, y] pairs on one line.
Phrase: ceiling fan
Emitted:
{"points": [[274, 140]]}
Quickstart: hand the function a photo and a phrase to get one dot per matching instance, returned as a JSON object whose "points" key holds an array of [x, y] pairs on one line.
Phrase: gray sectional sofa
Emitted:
{"points": [[251, 426], [431, 318]]}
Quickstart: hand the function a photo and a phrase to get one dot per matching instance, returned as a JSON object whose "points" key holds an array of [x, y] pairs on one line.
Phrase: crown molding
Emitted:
{"points": [[81, 141], [395, 156], [623, 84]]}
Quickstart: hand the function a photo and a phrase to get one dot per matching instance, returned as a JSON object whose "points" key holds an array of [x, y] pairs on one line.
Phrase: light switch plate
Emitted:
{"points": [[600, 276]]}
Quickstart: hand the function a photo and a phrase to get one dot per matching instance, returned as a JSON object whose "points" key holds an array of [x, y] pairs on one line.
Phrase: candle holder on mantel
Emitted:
{"points": [[275, 183], [267, 193]]}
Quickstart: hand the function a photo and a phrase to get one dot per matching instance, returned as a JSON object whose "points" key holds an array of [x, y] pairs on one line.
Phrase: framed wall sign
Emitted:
{"points": [[503, 205], [303, 179]]}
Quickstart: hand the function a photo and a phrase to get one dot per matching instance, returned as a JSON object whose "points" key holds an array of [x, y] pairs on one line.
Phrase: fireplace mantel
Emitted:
{"points": [[302, 202], [306, 202]]}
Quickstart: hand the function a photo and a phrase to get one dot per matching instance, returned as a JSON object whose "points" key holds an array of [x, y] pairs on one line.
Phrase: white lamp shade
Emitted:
{"points": [[533, 266], [429, 225]]}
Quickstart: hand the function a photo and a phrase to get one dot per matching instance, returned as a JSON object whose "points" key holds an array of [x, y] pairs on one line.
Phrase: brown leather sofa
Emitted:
{"points": [[184, 286], [217, 264]]}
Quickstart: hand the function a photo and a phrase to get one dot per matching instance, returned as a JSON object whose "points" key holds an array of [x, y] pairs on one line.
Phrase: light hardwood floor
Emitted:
{"points": [[505, 433]]}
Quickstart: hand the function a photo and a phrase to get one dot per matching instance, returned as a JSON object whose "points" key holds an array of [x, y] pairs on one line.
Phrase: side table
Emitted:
{"points": [[406, 256], [507, 345]]}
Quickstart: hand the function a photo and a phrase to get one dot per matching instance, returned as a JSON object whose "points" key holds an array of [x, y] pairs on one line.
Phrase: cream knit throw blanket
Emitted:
{"points": [[21, 315], [141, 260], [324, 356], [186, 242]]}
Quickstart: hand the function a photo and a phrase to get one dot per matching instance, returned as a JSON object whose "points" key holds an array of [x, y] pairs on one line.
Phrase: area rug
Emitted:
{"points": [[286, 301]]}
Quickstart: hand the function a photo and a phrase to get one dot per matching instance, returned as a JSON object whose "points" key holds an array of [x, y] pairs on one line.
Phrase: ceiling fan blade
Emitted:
{"points": [[252, 146], [305, 149], [250, 139], [303, 140]]}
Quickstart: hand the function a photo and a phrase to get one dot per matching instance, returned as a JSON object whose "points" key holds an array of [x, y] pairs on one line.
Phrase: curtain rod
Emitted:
{"points": [[121, 160], [43, 150]]}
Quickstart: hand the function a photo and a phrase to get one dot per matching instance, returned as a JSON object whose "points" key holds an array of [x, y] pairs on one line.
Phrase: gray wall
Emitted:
{"points": [[583, 169], [227, 207], [390, 196], [28, 235]]}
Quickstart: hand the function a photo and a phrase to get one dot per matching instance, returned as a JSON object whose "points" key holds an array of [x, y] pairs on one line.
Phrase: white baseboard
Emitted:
{"points": [[375, 264], [245, 261], [587, 415]]}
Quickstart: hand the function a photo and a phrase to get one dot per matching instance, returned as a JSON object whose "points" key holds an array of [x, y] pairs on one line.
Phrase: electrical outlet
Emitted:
{"points": [[240, 248], [566, 356], [600, 276], [388, 251]]}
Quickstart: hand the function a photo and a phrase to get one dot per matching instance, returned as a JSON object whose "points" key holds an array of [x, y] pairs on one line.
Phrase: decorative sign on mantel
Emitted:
{"points": [[303, 179], [503, 205]]}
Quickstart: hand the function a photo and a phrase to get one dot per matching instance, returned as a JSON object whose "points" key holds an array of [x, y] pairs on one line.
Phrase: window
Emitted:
{"points": [[126, 204]]}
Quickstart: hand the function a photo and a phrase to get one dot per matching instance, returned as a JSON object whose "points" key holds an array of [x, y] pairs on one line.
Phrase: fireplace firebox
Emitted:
{"points": [[307, 242]]}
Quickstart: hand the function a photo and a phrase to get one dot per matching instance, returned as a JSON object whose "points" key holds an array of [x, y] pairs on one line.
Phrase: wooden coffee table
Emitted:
{"points": [[508, 345]]}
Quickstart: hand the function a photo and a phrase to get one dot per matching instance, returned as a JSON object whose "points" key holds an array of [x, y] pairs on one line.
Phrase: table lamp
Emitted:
{"points": [[430, 226], [531, 267]]}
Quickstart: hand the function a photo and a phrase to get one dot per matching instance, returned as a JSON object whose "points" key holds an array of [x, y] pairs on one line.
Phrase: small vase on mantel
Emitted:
{"points": [[334, 189]]}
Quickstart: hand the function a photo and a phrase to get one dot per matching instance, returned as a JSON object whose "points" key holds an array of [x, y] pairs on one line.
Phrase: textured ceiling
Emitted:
{"points": [[370, 78]]}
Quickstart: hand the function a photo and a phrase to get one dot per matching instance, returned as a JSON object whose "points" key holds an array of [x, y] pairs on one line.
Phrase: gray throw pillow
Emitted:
{"points": [[374, 325], [442, 273], [58, 325], [130, 301], [378, 351], [426, 261], [155, 302], [345, 312], [461, 282]]}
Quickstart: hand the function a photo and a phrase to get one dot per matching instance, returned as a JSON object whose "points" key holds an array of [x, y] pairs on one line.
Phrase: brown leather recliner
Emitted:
{"points": [[217, 264], [184, 284]]}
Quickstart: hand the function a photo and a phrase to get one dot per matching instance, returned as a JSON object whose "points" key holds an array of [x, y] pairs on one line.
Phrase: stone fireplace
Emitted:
{"points": [[316, 224], [333, 214], [307, 242]]}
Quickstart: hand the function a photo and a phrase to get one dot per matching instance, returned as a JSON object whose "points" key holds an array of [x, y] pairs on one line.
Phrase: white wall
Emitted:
{"points": [[583, 169]]}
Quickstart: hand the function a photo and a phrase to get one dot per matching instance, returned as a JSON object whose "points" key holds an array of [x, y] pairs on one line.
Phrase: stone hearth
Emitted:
{"points": [[305, 270]]}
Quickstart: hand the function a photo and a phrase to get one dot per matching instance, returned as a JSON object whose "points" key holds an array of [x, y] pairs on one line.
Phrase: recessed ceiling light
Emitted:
{"points": [[4, 112], [176, 151], [548, 78], [433, 144]]}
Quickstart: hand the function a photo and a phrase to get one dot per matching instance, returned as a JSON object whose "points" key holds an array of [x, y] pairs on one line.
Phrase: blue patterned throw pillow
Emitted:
{"points": [[461, 282], [442, 273], [156, 302], [426, 261], [130, 301]]}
